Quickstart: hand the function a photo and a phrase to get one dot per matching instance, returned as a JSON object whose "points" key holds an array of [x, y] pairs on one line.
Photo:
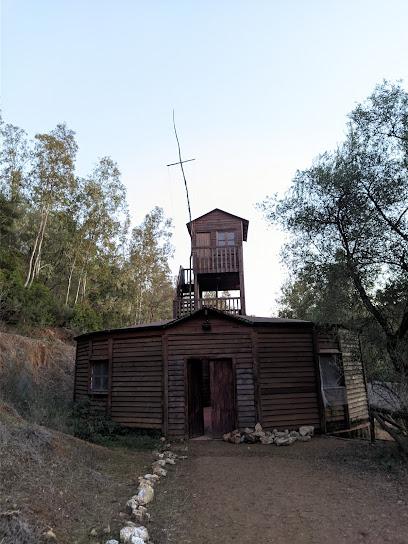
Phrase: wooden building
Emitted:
{"points": [[211, 368]]}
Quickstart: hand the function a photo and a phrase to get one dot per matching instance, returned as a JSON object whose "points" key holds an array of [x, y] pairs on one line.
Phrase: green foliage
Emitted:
{"points": [[87, 422], [65, 253], [348, 220], [85, 320]]}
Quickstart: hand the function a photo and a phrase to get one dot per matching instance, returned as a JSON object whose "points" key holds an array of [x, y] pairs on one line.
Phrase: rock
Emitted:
{"points": [[160, 471], [242, 438], [226, 437], [145, 495], [94, 532], [129, 534], [163, 439], [236, 439], [304, 438], [306, 430], [294, 434], [258, 427], [267, 440], [259, 434], [235, 432], [247, 430], [159, 463], [279, 434], [132, 504], [283, 441], [112, 541], [268, 433], [50, 534], [141, 515], [170, 461]]}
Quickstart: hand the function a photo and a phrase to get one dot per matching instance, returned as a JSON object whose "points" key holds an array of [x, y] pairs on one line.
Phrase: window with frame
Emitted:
{"points": [[332, 378], [331, 370], [226, 238], [99, 376]]}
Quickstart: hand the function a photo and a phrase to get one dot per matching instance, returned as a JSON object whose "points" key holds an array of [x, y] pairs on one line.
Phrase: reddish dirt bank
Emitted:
{"points": [[324, 491]]}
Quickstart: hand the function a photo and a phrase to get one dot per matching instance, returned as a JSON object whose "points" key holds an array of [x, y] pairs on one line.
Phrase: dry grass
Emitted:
{"points": [[58, 482]]}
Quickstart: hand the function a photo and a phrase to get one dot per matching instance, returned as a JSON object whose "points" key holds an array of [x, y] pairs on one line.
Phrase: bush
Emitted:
{"points": [[85, 320], [88, 423]]}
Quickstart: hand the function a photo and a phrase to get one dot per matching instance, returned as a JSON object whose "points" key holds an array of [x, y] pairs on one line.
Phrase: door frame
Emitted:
{"points": [[210, 358]]}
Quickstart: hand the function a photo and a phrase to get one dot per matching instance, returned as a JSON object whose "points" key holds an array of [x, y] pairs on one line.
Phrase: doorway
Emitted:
{"points": [[210, 401]]}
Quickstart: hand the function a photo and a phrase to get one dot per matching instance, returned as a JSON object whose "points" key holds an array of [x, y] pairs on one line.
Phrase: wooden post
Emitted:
{"points": [[165, 382], [372, 426], [322, 408], [110, 370], [256, 377]]}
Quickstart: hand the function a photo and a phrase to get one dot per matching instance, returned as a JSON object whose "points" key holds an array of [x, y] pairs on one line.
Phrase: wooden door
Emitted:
{"points": [[222, 397], [194, 399]]}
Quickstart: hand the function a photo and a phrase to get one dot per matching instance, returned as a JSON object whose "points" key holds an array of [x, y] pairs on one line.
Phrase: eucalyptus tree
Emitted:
{"points": [[150, 282], [52, 180], [103, 222], [349, 212]]}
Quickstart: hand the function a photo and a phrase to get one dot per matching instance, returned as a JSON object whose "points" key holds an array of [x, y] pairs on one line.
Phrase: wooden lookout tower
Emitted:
{"points": [[216, 265]]}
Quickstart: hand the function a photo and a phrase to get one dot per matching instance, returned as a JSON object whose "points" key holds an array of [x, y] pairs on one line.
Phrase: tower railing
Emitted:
{"points": [[216, 259], [229, 305]]}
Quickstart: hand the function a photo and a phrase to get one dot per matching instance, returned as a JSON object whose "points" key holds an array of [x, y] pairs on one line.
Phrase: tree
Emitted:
{"points": [[348, 215], [150, 281], [52, 179]]}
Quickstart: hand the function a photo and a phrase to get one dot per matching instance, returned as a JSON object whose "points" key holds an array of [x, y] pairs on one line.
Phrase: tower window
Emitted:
{"points": [[225, 238]]}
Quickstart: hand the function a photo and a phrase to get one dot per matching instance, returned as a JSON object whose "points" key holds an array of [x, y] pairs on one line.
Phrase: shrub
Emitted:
{"points": [[85, 320]]}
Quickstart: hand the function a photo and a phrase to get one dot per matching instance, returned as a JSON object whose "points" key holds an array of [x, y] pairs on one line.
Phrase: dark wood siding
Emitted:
{"points": [[288, 381], [137, 390], [81, 370], [226, 340]]}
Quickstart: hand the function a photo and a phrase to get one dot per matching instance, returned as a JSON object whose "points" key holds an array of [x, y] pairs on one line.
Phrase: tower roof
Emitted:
{"points": [[245, 222]]}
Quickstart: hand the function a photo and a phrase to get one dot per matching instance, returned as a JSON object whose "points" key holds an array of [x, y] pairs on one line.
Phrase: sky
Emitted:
{"points": [[259, 89]]}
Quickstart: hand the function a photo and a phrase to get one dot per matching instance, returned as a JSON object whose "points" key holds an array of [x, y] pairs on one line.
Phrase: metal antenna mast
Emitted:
{"points": [[181, 162]]}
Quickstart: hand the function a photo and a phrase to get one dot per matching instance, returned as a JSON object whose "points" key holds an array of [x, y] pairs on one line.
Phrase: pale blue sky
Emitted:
{"points": [[259, 89]]}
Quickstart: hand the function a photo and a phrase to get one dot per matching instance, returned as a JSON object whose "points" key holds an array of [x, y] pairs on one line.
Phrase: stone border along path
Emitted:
{"points": [[136, 532], [279, 438]]}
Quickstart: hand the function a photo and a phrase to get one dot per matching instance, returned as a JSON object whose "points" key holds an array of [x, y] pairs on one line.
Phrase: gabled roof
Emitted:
{"points": [[206, 312], [245, 222]]}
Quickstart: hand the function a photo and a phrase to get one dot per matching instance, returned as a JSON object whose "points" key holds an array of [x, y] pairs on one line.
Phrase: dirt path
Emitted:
{"points": [[324, 491]]}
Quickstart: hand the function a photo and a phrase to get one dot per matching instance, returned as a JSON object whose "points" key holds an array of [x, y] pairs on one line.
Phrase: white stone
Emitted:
{"points": [[258, 427], [306, 430], [145, 495], [267, 440], [259, 434], [170, 461], [283, 441], [112, 541], [129, 534], [304, 438], [247, 430]]}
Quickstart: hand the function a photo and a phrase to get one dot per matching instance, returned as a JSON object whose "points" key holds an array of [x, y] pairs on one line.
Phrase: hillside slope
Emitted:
{"points": [[37, 377], [55, 482]]}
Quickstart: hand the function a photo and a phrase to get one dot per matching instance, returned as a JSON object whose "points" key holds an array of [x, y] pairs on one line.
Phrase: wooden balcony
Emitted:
{"points": [[229, 305], [216, 259]]}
